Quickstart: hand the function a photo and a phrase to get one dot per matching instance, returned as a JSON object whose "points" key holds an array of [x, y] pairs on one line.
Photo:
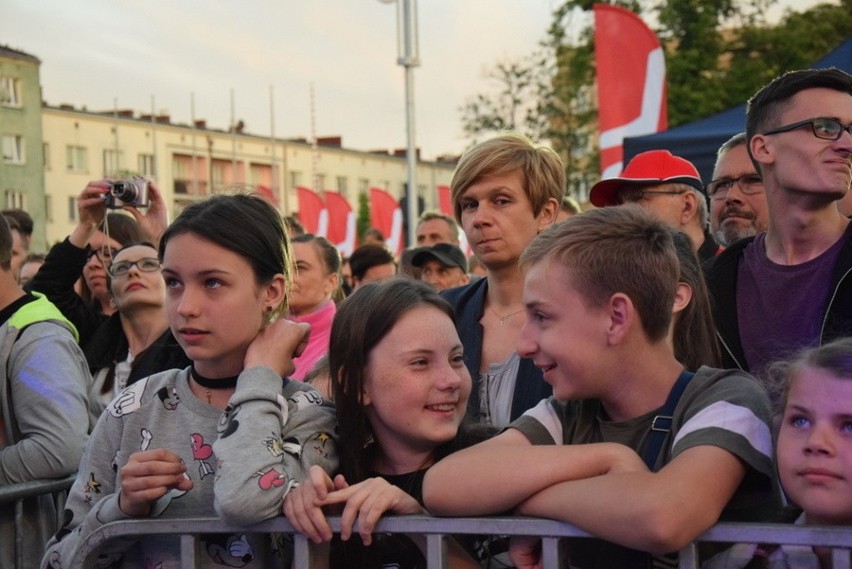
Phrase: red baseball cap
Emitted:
{"points": [[646, 169]]}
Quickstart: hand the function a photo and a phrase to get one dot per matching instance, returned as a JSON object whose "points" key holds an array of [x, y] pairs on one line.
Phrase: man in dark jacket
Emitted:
{"points": [[792, 285]]}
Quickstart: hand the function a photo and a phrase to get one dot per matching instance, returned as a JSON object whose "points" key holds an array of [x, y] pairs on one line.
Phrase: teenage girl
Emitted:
{"points": [[161, 443], [401, 389]]}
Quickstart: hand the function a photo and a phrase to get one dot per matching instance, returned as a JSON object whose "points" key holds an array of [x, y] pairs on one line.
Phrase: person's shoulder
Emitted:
{"points": [[730, 255], [160, 387], [734, 386], [461, 294]]}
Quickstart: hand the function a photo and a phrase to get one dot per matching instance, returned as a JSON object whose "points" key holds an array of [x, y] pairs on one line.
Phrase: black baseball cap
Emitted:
{"points": [[445, 253]]}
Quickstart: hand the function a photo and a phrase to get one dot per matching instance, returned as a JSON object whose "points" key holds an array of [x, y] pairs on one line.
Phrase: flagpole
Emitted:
{"points": [[409, 58]]}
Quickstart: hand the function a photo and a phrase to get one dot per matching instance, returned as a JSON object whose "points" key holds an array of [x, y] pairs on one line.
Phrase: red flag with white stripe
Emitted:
{"points": [[341, 223], [631, 77], [312, 212], [386, 216]]}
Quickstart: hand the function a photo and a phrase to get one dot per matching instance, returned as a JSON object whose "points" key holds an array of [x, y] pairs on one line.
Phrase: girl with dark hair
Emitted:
{"points": [[164, 448], [316, 287], [401, 388]]}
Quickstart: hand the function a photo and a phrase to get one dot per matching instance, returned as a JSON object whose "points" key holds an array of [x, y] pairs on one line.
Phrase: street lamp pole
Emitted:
{"points": [[409, 58]]}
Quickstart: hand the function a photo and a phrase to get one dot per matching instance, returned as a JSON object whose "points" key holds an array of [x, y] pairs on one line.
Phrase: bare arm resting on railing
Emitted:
{"points": [[496, 475], [365, 503]]}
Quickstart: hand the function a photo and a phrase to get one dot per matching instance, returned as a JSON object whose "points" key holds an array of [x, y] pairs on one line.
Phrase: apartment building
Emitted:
{"points": [[51, 152], [21, 180]]}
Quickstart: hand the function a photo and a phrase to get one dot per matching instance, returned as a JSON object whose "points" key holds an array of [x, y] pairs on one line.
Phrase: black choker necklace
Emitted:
{"points": [[207, 383]]}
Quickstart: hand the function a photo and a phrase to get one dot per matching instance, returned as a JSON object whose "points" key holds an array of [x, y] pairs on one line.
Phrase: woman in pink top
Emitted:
{"points": [[316, 286]]}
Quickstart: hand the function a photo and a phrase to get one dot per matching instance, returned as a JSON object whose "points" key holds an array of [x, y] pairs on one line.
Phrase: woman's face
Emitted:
{"points": [[498, 219], [136, 287], [313, 285], [95, 269], [815, 446], [416, 387], [214, 303]]}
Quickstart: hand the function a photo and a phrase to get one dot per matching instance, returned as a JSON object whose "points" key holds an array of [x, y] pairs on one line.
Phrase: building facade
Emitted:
{"points": [[21, 179], [189, 162], [50, 153]]}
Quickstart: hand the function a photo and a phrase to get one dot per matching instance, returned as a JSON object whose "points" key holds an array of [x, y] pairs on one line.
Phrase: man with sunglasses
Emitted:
{"points": [[737, 201], [670, 188], [791, 286]]}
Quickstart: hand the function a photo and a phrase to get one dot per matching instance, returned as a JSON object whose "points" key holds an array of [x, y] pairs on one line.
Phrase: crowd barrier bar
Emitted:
{"points": [[17, 493], [839, 538]]}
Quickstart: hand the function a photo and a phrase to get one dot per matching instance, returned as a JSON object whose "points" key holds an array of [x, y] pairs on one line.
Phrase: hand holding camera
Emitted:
{"points": [[129, 191]]}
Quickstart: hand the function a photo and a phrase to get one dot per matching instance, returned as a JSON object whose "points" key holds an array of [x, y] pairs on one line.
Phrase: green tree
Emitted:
{"points": [[362, 218], [718, 53]]}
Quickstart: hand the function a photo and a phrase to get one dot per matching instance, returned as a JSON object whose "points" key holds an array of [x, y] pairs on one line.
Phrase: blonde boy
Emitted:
{"points": [[598, 293]]}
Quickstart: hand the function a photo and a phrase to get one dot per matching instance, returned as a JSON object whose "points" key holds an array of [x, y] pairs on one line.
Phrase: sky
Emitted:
{"points": [[106, 53], [99, 53]]}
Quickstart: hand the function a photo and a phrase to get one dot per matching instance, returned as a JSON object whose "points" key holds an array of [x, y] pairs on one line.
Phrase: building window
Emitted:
{"points": [[48, 208], [45, 155], [76, 158], [72, 209], [320, 181], [112, 163], [12, 147], [363, 185], [342, 183], [10, 92], [295, 179], [16, 200], [147, 166]]}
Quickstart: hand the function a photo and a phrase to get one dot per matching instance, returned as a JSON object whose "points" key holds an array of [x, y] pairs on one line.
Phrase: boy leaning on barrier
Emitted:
{"points": [[599, 292], [43, 412]]}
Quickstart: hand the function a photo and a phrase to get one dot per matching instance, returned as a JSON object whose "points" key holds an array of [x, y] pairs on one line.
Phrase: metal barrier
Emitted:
{"points": [[17, 493], [436, 530]]}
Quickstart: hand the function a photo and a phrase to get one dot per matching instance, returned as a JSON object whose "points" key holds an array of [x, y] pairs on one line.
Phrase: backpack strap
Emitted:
{"points": [[662, 423]]}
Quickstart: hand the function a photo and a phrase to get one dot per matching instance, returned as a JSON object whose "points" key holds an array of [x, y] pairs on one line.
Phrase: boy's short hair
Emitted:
{"points": [[616, 249], [542, 172], [766, 105]]}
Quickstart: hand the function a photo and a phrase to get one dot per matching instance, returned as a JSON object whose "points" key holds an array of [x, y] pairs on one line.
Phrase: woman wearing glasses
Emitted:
{"points": [[124, 340], [135, 341]]}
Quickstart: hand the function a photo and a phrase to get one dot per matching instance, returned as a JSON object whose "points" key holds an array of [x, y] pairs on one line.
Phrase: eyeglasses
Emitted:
{"points": [[146, 265], [104, 254], [633, 195], [822, 127], [749, 184]]}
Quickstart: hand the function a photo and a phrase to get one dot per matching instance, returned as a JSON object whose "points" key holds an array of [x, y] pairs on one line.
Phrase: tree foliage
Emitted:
{"points": [[718, 53], [363, 221]]}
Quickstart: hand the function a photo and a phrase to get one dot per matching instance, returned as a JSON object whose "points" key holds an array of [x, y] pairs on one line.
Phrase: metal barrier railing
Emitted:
{"points": [[17, 493], [436, 530]]}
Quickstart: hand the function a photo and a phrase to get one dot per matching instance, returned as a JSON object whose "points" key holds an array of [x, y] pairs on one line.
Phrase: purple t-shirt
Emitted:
{"points": [[781, 307]]}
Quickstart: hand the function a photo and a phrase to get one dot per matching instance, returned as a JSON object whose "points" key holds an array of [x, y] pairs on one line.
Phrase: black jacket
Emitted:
{"points": [[101, 337], [721, 276], [469, 304]]}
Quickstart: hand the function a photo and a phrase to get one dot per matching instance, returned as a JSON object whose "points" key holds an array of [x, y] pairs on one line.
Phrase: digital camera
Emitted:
{"points": [[130, 191]]}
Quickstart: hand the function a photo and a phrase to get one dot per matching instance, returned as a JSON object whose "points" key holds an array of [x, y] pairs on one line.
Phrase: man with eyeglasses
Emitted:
{"points": [[670, 188], [791, 286], [737, 201]]}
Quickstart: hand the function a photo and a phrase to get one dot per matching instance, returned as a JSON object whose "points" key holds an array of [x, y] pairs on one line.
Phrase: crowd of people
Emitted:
{"points": [[677, 356]]}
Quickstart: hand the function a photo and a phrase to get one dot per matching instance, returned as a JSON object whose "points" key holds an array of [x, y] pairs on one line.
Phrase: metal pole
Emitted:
{"points": [[409, 58]]}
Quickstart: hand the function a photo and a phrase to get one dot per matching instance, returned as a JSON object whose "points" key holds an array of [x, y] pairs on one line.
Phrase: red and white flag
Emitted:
{"points": [[631, 76], [341, 223], [312, 211], [386, 216]]}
